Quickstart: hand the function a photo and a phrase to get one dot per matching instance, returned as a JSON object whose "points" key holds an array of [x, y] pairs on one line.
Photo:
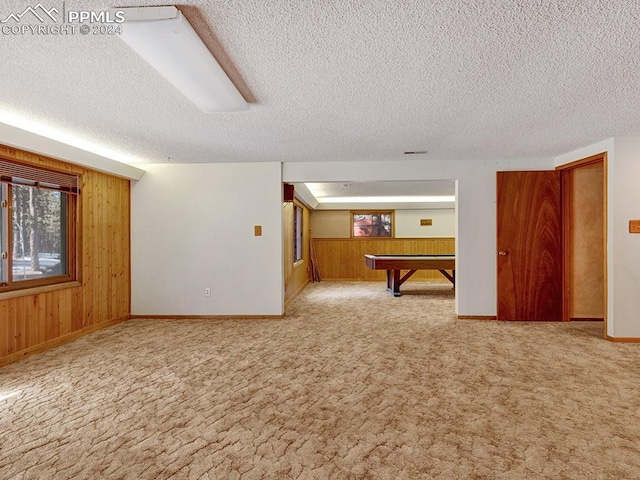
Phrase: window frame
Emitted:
{"points": [[352, 213], [69, 228], [298, 234]]}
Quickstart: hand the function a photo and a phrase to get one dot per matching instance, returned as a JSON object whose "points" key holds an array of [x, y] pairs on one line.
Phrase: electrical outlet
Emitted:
{"points": [[207, 292]]}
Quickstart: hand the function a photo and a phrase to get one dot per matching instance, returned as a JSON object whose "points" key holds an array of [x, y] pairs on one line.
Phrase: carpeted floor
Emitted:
{"points": [[353, 383]]}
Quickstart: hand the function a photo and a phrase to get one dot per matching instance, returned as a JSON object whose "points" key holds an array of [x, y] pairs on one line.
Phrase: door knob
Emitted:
{"points": [[503, 253]]}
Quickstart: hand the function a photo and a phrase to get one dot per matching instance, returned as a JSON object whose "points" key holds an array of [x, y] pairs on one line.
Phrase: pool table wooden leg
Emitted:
{"points": [[393, 282], [451, 277]]}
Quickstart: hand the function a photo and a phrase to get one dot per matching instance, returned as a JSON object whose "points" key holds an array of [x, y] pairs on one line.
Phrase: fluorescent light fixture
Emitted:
{"points": [[390, 199], [166, 40]]}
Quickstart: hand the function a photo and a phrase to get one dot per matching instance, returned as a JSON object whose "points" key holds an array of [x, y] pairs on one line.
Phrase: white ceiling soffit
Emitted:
{"points": [[386, 190], [386, 206], [44, 145], [389, 188], [345, 80]]}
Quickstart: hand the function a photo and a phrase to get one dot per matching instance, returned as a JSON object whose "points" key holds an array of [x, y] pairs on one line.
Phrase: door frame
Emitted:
{"points": [[567, 213]]}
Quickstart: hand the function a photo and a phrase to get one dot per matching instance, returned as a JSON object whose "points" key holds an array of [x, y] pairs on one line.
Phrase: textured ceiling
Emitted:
{"points": [[347, 80]]}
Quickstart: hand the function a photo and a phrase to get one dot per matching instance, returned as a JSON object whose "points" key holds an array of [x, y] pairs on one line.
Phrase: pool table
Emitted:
{"points": [[394, 264]]}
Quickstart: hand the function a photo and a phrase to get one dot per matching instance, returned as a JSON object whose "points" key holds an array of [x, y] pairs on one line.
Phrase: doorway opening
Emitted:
{"points": [[421, 216], [584, 193]]}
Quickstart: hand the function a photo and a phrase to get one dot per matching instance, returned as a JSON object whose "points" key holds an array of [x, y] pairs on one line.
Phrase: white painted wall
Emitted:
{"points": [[623, 248], [626, 246], [408, 223], [475, 209], [330, 224], [192, 228]]}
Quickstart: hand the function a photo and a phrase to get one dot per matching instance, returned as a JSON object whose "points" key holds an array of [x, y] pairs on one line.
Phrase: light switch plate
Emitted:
{"points": [[257, 230]]}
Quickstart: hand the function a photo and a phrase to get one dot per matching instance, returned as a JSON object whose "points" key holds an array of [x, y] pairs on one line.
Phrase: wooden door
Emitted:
{"points": [[529, 241]]}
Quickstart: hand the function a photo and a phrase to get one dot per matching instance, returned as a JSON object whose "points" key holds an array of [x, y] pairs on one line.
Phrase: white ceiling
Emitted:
{"points": [[347, 80]]}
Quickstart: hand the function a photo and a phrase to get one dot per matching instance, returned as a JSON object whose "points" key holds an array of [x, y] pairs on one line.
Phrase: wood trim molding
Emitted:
{"points": [[605, 228], [623, 339], [477, 317], [566, 176], [206, 317], [37, 290], [584, 161], [56, 342]]}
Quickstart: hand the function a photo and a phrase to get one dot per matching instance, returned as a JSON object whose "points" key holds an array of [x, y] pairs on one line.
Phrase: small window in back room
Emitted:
{"points": [[372, 224], [297, 233]]}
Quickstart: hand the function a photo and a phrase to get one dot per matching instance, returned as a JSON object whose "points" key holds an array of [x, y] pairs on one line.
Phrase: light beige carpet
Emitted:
{"points": [[353, 383]]}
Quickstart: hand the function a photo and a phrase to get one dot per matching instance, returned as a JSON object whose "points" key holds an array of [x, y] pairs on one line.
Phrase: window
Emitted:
{"points": [[372, 224], [38, 226], [297, 233]]}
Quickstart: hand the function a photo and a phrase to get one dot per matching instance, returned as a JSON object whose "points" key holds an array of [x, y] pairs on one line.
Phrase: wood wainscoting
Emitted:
{"points": [[37, 319], [343, 258]]}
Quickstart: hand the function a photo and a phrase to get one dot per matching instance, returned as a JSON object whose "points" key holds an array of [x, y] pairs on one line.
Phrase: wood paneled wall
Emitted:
{"points": [[343, 258], [296, 276], [32, 322]]}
